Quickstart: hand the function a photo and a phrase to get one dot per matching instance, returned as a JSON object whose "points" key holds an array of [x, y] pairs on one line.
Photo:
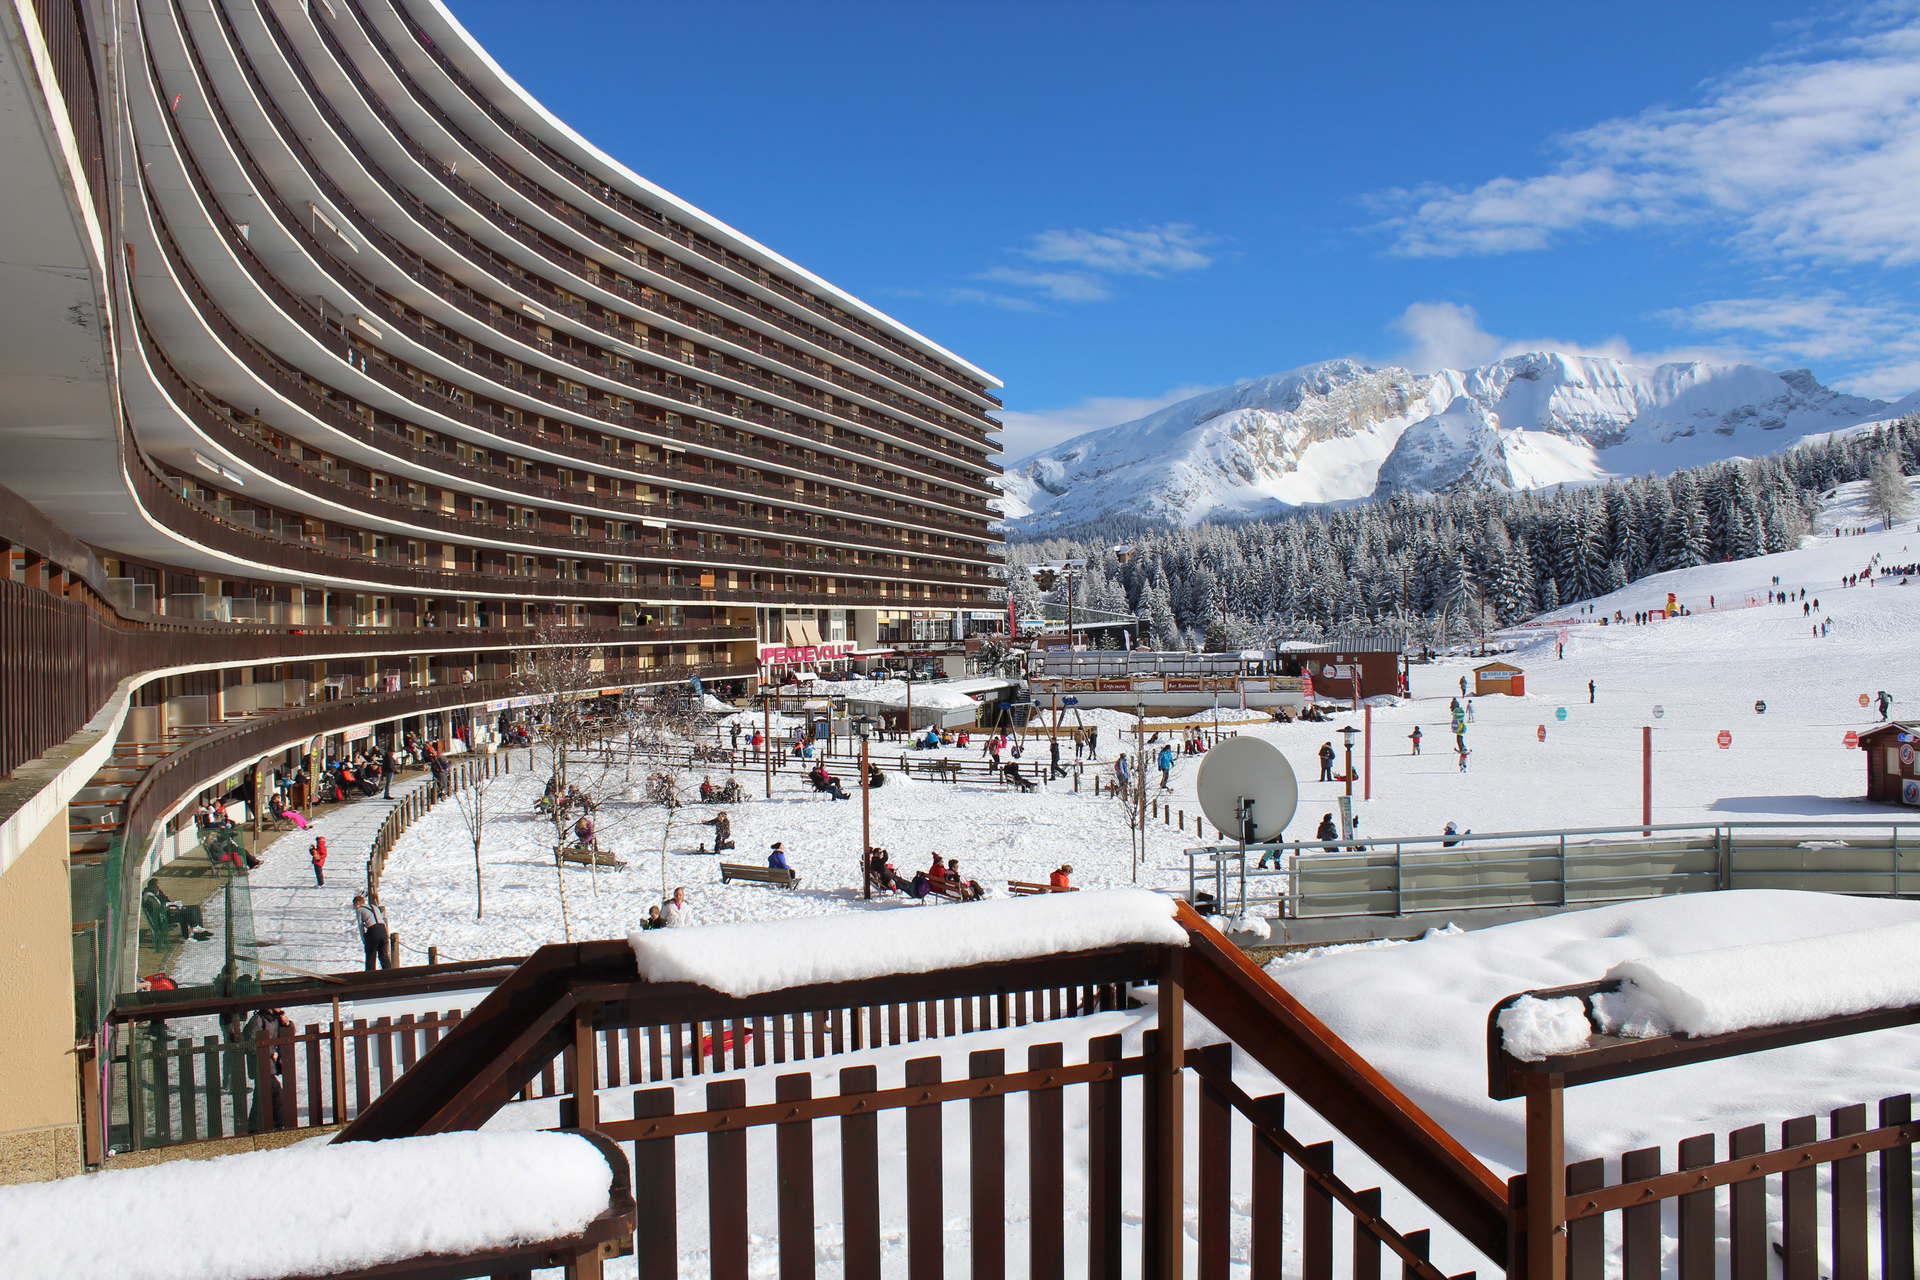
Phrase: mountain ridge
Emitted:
{"points": [[1341, 430]]}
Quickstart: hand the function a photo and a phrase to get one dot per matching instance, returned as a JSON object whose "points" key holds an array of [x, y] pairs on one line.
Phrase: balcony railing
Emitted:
{"points": [[509, 323], [662, 226]]}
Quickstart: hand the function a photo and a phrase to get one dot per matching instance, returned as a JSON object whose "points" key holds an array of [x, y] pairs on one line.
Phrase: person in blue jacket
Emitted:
{"points": [[778, 858], [1166, 766]]}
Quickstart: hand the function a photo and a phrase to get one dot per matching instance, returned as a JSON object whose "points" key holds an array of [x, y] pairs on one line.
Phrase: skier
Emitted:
{"points": [[1463, 686], [1166, 766], [1469, 710], [1326, 761], [1414, 738], [1055, 769], [1590, 691], [1464, 753], [1885, 700], [1122, 770], [318, 853]]}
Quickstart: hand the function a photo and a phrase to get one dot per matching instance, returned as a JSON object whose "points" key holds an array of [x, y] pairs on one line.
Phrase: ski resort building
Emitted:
{"points": [[1893, 762], [340, 384]]}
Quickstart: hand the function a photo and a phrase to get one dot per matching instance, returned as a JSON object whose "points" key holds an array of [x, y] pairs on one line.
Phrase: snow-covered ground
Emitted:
{"points": [[1703, 672]]}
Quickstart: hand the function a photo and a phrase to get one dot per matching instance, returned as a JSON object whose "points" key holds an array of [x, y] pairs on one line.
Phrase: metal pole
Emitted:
{"points": [[766, 738], [1140, 784], [1347, 740], [866, 824]]}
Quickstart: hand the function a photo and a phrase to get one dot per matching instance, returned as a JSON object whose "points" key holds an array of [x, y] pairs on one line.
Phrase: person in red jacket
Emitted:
{"points": [[319, 855], [1061, 879]]}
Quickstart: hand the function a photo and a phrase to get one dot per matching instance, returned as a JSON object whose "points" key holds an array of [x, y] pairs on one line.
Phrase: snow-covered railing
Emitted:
{"points": [[1113, 1178], [450, 1205], [1783, 1181], [1549, 868]]}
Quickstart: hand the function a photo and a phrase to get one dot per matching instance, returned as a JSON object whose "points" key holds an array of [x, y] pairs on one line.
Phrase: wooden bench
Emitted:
{"points": [[948, 889], [590, 856], [730, 871], [1026, 888]]}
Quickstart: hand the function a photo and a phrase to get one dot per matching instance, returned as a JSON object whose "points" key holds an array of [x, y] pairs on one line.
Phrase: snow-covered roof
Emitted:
{"points": [[311, 1209], [749, 959]]}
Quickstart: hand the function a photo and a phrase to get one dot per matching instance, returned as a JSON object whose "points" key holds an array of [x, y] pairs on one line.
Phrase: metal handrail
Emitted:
{"points": [[1428, 855]]}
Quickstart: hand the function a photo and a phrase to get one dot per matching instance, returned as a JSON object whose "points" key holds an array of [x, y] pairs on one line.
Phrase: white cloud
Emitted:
{"points": [[988, 298], [1145, 251], [1031, 431], [1811, 154], [1448, 335], [1872, 348], [1055, 286], [1087, 262], [1443, 335]]}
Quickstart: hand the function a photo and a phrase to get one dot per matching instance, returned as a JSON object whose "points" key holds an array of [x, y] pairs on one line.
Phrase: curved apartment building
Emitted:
{"points": [[339, 378]]}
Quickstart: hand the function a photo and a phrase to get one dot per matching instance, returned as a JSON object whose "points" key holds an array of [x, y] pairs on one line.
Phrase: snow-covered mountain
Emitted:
{"points": [[1343, 431]]}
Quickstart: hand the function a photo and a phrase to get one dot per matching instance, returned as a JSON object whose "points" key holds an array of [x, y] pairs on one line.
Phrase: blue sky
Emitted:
{"points": [[1112, 204]]}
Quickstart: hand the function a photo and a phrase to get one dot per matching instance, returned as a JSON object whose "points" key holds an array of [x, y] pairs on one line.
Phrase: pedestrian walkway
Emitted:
{"points": [[297, 923], [307, 926]]}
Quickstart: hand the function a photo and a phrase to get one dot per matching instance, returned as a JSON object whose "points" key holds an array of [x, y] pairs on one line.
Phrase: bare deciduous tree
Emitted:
{"points": [[471, 801]]}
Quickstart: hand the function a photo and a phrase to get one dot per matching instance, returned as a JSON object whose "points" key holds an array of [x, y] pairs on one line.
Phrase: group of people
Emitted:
{"points": [[675, 913], [942, 878], [726, 793]]}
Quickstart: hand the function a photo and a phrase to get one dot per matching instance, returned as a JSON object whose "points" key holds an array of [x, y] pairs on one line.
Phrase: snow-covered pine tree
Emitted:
{"points": [[1888, 496]]}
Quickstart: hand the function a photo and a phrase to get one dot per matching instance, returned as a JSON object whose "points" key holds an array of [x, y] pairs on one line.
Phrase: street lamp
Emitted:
{"points": [[1347, 736], [862, 727]]}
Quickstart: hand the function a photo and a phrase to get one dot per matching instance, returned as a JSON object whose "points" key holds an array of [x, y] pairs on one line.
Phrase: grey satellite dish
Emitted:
{"points": [[1243, 770]]}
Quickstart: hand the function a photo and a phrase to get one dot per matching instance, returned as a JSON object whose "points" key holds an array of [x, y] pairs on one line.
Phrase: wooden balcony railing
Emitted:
{"points": [[573, 995]]}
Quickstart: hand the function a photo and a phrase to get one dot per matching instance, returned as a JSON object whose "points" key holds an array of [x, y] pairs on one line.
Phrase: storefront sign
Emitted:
{"points": [[802, 655]]}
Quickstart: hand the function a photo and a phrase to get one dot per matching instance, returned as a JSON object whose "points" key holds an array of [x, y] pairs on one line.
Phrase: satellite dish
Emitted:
{"points": [[1248, 769]]}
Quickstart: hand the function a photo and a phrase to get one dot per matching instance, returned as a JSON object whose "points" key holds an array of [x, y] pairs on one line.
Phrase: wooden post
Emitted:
{"points": [[1167, 1188], [93, 1130], [1545, 1216], [338, 1037], [1646, 779]]}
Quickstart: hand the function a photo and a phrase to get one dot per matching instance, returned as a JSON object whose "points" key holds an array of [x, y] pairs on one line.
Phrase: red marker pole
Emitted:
{"points": [[1367, 793], [1646, 779]]}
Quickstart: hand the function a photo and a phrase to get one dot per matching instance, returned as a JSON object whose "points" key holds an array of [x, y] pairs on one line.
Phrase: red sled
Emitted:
{"points": [[726, 1043]]}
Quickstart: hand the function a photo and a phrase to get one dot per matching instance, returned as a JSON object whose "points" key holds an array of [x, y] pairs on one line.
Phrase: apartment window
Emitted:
{"points": [[479, 508], [579, 526], [627, 572]]}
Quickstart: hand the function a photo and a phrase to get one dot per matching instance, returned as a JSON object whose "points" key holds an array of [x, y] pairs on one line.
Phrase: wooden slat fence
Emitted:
{"points": [[1782, 1200], [417, 802], [325, 1074], [1305, 1219]]}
